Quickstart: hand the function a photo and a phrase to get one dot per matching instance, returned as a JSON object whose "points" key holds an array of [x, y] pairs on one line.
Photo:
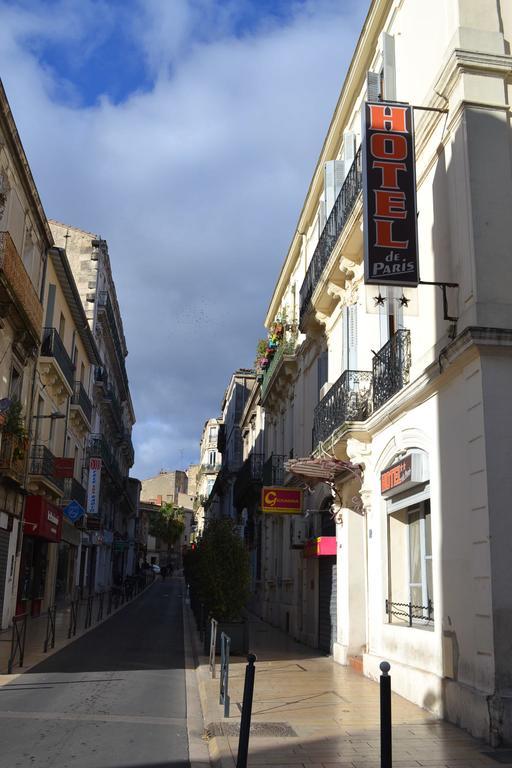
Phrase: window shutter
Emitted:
{"points": [[50, 306], [372, 86], [352, 337], [384, 321], [349, 150], [322, 368], [389, 69], [321, 217], [333, 181]]}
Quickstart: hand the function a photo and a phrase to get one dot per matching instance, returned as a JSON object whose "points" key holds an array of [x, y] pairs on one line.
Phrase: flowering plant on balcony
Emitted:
{"points": [[267, 348], [12, 425]]}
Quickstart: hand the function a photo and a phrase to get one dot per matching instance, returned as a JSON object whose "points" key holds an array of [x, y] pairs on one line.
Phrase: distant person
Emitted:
{"points": [[163, 572]]}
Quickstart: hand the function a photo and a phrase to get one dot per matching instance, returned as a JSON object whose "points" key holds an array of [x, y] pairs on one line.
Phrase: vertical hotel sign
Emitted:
{"points": [[389, 188], [93, 489]]}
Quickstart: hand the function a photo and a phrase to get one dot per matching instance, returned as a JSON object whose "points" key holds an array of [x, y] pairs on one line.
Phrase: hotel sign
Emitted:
{"points": [[93, 488], [278, 500], [389, 190]]}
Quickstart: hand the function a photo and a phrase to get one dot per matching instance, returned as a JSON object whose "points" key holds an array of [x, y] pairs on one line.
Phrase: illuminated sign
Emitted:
{"points": [[396, 476], [281, 500], [389, 191]]}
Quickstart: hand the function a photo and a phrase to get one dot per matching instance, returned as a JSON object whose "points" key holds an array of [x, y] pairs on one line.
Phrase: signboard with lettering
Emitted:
{"points": [[63, 467], [74, 511], [396, 475], [407, 474], [389, 193], [281, 500], [93, 488]]}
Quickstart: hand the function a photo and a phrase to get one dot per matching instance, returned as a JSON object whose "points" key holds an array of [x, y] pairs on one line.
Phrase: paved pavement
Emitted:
{"points": [[309, 712], [114, 698]]}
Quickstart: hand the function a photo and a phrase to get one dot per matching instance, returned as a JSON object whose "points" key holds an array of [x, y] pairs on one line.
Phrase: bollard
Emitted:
{"points": [[245, 722], [385, 716]]}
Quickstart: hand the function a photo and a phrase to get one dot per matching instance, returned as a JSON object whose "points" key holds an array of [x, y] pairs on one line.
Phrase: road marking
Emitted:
{"points": [[91, 717]]}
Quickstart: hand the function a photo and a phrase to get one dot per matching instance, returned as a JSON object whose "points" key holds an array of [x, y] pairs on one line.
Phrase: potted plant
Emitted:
{"points": [[222, 579]]}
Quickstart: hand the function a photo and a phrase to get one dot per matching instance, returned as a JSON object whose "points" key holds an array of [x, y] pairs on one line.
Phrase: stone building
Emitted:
{"points": [[407, 386], [108, 545]]}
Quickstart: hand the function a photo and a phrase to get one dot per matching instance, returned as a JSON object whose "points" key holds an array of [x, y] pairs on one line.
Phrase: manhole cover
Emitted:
{"points": [[503, 756], [257, 729]]}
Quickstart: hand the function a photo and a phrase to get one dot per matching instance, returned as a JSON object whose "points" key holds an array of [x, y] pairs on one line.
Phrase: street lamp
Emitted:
{"points": [[52, 416]]}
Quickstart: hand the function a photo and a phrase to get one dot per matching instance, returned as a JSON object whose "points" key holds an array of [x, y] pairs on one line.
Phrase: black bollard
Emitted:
{"points": [[385, 716], [245, 722]]}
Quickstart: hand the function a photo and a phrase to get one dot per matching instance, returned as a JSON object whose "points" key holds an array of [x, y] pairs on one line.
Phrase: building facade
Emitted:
{"points": [[108, 545], [406, 385]]}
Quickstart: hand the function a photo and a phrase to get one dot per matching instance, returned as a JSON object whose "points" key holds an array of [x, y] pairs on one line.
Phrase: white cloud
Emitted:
{"points": [[196, 184]]}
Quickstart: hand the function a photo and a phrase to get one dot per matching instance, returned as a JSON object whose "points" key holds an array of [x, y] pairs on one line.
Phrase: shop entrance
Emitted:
{"points": [[327, 587]]}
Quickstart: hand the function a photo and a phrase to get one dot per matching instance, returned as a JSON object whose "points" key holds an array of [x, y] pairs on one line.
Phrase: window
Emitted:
{"points": [[410, 566], [212, 456], [209, 485], [62, 327], [15, 384], [212, 434]]}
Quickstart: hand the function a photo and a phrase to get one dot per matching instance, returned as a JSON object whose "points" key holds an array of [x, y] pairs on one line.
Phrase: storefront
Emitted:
{"points": [[67, 562], [42, 532]]}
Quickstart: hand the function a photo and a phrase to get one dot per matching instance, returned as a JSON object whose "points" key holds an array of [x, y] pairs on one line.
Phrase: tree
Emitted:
{"points": [[167, 524]]}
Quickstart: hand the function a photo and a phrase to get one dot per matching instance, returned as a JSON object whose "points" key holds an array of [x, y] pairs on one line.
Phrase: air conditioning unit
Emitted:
{"points": [[324, 390], [297, 532]]}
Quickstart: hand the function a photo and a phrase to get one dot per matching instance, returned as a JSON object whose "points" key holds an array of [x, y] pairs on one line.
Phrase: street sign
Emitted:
{"points": [[74, 511]]}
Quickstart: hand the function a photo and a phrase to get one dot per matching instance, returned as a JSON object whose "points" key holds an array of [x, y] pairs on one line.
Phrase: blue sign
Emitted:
{"points": [[74, 511]]}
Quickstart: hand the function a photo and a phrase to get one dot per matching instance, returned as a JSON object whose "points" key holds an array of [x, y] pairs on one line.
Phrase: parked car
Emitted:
{"points": [[155, 568]]}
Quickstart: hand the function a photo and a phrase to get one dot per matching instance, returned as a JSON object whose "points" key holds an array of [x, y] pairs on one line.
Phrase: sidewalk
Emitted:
{"points": [[309, 711]]}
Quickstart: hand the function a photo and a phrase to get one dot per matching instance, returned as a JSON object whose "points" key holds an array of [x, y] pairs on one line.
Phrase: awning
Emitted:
{"points": [[320, 547], [42, 519], [322, 470]]}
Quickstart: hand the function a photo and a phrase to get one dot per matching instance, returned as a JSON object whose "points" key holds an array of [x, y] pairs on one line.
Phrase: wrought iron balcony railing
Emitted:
{"points": [[249, 477], [287, 347], [81, 398], [111, 398], [104, 301], [74, 491], [391, 367], [349, 399], [100, 376], [409, 613], [273, 470], [99, 448], [12, 267], [42, 463], [335, 223], [53, 346]]}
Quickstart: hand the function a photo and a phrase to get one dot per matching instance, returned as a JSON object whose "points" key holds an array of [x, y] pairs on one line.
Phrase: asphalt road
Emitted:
{"points": [[115, 698]]}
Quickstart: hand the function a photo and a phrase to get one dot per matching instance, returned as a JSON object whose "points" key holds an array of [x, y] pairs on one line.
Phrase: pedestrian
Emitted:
{"points": [[163, 572]]}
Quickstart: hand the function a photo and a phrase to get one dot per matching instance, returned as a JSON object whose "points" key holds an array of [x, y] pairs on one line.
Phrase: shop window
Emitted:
{"points": [[410, 599]]}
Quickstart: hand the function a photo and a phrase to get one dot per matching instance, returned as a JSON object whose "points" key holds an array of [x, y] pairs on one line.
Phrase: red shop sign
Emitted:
{"points": [[42, 519], [389, 193]]}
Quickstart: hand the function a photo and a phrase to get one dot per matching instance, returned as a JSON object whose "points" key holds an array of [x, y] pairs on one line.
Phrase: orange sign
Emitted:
{"points": [[396, 475], [281, 500]]}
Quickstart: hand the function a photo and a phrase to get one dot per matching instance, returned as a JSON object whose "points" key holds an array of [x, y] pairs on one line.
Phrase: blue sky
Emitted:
{"points": [[185, 132]]}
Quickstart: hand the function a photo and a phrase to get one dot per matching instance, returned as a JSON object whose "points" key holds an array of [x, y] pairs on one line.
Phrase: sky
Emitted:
{"points": [[185, 133]]}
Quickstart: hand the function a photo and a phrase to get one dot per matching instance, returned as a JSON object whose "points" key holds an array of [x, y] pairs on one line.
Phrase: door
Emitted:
{"points": [[327, 622]]}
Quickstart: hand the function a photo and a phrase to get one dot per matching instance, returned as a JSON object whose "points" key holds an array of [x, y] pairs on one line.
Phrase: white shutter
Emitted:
{"points": [[321, 218], [344, 339], [352, 337], [349, 150], [333, 181], [384, 323], [372, 86], [388, 56]]}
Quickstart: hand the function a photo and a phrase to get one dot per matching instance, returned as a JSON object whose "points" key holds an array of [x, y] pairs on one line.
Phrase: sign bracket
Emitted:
{"points": [[443, 287]]}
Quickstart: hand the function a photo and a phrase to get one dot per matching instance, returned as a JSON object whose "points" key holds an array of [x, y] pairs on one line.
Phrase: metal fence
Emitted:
{"points": [[30, 635]]}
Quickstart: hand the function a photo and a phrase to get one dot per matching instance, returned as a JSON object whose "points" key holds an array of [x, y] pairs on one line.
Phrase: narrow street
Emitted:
{"points": [[115, 698]]}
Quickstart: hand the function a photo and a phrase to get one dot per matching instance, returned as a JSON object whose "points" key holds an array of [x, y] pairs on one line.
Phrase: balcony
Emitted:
{"points": [[249, 478], [210, 469], [349, 399], [99, 448], [57, 370], [127, 446], [12, 456], [115, 408], [391, 367], [42, 471], [105, 304], [81, 408], [283, 362], [100, 376], [273, 470], [17, 287], [335, 223], [74, 491]]}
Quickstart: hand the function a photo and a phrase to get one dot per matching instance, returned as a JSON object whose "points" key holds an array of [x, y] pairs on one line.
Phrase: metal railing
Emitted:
{"points": [[213, 646], [12, 455], [349, 399], [287, 347], [391, 367], [111, 398], [104, 301], [81, 398], [53, 346], [74, 491], [18, 639], [225, 645], [249, 476], [99, 448], [42, 462], [409, 612], [335, 223], [273, 470]]}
